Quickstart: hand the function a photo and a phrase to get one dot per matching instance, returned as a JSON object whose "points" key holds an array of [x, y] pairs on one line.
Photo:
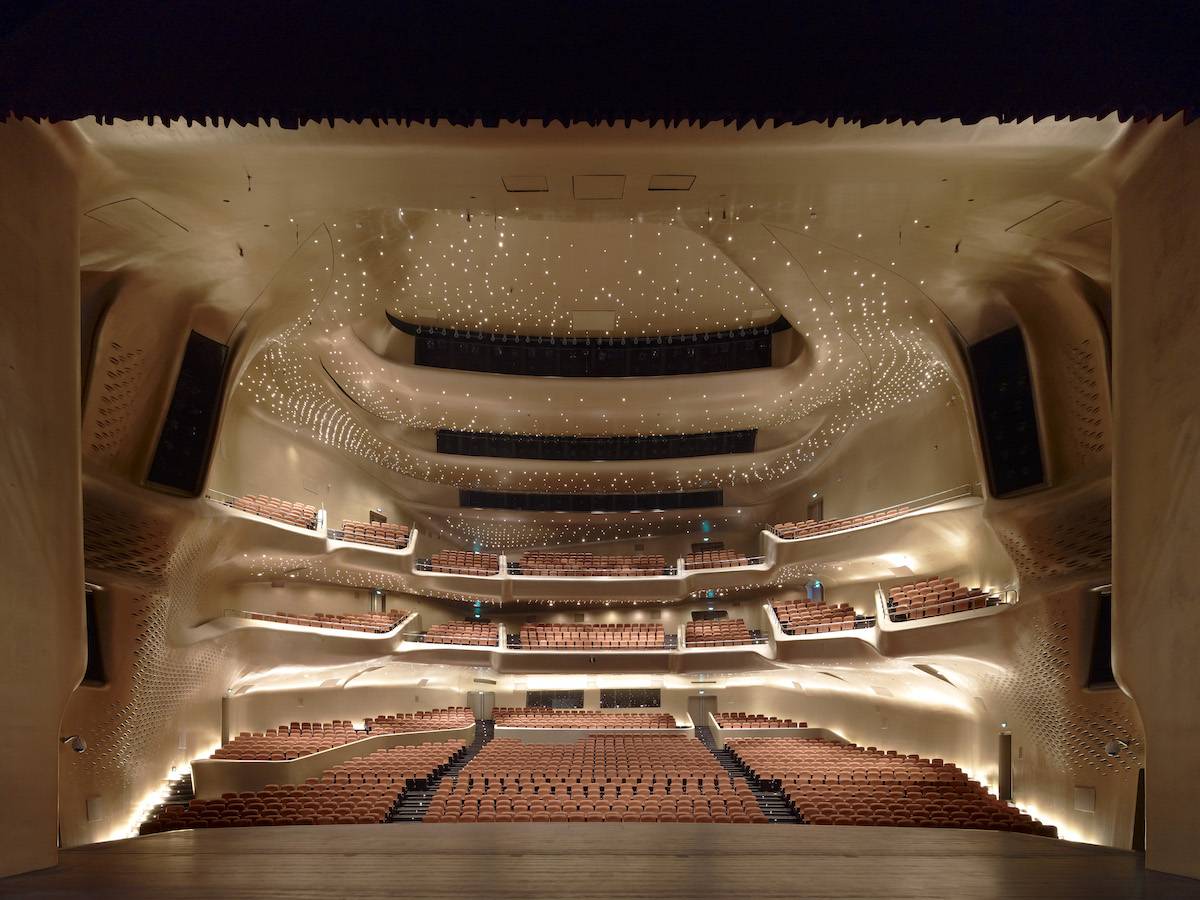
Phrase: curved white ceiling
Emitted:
{"points": [[877, 244]]}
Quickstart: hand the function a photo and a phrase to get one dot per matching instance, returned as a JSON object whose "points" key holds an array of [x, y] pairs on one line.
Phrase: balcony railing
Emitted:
{"points": [[845, 523], [514, 568]]}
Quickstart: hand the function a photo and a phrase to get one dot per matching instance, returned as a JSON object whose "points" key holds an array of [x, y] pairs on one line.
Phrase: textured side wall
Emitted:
{"points": [[919, 449], [1156, 479], [41, 554]]}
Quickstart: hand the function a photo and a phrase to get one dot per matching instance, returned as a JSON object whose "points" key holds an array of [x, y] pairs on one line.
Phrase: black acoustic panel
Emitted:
{"points": [[1007, 412], [589, 502], [181, 457], [630, 698], [554, 699], [690, 354], [586, 449]]}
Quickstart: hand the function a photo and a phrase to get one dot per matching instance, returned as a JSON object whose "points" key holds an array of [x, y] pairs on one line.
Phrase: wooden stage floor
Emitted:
{"points": [[596, 861]]}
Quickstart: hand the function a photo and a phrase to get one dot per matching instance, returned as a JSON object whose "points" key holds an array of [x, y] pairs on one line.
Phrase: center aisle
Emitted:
{"points": [[773, 804], [414, 803]]}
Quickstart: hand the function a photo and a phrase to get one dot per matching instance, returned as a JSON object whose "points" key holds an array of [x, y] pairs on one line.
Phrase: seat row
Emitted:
{"points": [[545, 717], [717, 633], [289, 741], [296, 739], [585, 565], [667, 778], [810, 617], [752, 720], [716, 559], [380, 534], [459, 562], [360, 791], [791, 531], [426, 720], [831, 783], [472, 634], [300, 514], [369, 623], [934, 597], [606, 636]]}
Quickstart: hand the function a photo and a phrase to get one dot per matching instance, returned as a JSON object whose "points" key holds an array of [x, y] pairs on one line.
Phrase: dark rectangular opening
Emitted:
{"points": [[554, 699], [1139, 813], [1007, 412], [585, 449], [93, 673], [1100, 670], [630, 698], [185, 442], [585, 357], [701, 615], [1004, 767]]}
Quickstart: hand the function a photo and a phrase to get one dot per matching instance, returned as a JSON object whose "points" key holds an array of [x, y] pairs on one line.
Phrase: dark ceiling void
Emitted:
{"points": [[586, 449], [461, 62]]}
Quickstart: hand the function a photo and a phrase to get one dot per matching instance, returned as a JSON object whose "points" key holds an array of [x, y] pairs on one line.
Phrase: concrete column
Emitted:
{"points": [[41, 552], [1156, 478]]}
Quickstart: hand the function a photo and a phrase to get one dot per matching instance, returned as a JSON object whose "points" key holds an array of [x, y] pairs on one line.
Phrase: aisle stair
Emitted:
{"points": [[413, 802], [773, 804]]}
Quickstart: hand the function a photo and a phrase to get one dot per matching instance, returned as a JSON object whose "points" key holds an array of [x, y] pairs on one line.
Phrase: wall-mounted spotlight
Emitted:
{"points": [[75, 742]]}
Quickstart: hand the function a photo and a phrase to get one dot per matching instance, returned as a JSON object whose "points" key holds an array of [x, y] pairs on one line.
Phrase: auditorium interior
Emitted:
{"points": [[544, 509]]}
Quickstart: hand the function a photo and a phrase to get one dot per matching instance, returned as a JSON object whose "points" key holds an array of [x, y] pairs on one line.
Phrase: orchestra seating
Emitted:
{"points": [[380, 534], [545, 717], [290, 741], [459, 562], [368, 623], [425, 720], [751, 720], [473, 634], [809, 617], [599, 778], [717, 633], [934, 597], [299, 514], [791, 531], [715, 559], [359, 791], [829, 783], [585, 565], [607, 636]]}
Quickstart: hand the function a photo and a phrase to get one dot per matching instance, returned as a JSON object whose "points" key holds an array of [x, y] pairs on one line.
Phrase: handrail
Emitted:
{"points": [[971, 489], [750, 561], [339, 535], [754, 641], [425, 564], [230, 500], [514, 568], [257, 616], [1005, 596], [943, 496]]}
